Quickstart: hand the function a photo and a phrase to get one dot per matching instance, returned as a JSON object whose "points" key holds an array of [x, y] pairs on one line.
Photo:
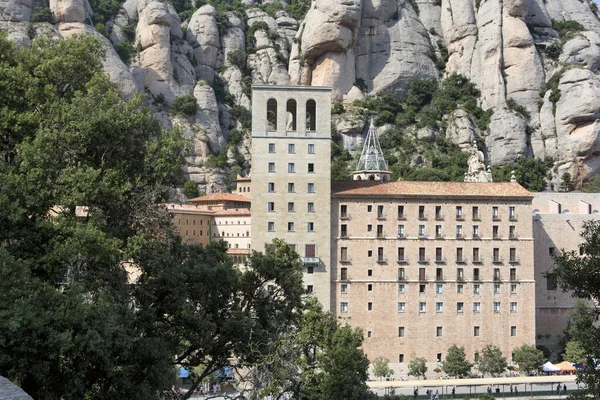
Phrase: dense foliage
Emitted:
{"points": [[455, 364], [528, 358], [491, 361], [531, 173]]}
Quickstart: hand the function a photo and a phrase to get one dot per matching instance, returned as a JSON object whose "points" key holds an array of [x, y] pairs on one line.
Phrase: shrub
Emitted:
{"points": [[41, 14], [567, 28], [184, 105], [190, 189], [104, 10], [235, 137], [237, 58], [129, 31], [242, 115], [298, 9], [250, 40], [554, 49], [125, 50], [518, 108], [337, 109], [530, 173]]}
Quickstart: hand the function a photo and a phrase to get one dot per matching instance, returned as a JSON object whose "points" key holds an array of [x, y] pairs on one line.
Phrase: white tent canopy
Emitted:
{"points": [[549, 367]]}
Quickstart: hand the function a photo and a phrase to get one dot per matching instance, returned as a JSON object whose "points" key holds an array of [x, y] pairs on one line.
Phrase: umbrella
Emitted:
{"points": [[225, 372], [549, 367], [565, 366], [184, 373]]}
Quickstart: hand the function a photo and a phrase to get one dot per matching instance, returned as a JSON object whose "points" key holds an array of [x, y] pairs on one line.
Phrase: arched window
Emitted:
{"points": [[311, 114], [272, 115], [291, 111]]}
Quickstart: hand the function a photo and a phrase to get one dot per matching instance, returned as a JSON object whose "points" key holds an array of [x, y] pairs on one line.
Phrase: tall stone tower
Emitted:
{"points": [[291, 176], [371, 165]]}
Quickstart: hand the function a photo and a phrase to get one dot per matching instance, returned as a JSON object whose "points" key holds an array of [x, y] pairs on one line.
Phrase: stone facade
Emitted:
{"points": [[291, 193], [557, 223], [411, 272]]}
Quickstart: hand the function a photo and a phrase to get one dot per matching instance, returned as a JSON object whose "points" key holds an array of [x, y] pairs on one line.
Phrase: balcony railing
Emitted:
{"points": [[497, 278], [422, 235], [344, 235], [461, 260], [497, 260], [477, 260], [512, 217], [440, 260], [459, 236], [402, 260], [513, 236], [422, 216], [476, 277], [401, 277], [345, 216], [380, 216], [439, 217], [476, 217], [496, 236], [460, 217], [401, 216], [401, 235], [496, 218], [439, 235], [380, 235], [439, 278], [423, 260], [514, 261], [476, 236], [460, 278], [345, 260], [381, 260]]}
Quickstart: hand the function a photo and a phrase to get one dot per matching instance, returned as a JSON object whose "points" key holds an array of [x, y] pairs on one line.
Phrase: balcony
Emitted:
{"points": [[344, 235], [459, 236], [401, 277], [402, 260], [423, 260], [476, 278], [477, 260], [311, 260], [439, 217], [497, 278], [460, 217], [439, 278], [476, 236], [512, 217], [380, 216], [460, 278], [497, 260], [461, 260], [476, 217], [345, 216], [514, 261], [422, 216], [496, 237], [401, 235], [345, 260], [380, 235], [401, 216], [513, 236], [440, 260], [439, 235], [381, 260], [496, 218]]}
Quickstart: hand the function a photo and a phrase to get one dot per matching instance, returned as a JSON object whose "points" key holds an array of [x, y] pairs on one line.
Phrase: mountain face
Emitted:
{"points": [[535, 63]]}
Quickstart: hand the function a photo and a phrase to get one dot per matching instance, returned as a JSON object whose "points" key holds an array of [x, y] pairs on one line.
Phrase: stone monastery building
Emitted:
{"points": [[419, 266]]}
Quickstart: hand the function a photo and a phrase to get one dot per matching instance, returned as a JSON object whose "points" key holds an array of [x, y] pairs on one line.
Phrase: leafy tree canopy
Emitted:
{"points": [[381, 367], [528, 358], [417, 366], [491, 361], [531, 173], [456, 364]]}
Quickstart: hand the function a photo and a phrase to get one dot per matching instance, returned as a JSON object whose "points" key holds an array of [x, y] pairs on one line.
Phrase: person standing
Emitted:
{"points": [[516, 391], [565, 388]]}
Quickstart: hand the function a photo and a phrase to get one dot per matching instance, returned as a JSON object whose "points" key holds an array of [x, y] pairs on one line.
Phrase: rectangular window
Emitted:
{"points": [[421, 212], [495, 232], [476, 257], [459, 255], [270, 206], [511, 213], [476, 288], [421, 230], [513, 288], [422, 257], [401, 254], [380, 214], [401, 275], [370, 287], [343, 211], [310, 207], [380, 256], [344, 254], [496, 306], [271, 226], [400, 212], [291, 187], [343, 307], [438, 231], [400, 231], [309, 288], [369, 306], [369, 228], [439, 288], [422, 288], [476, 276], [495, 214], [460, 274], [511, 232], [459, 213], [438, 331], [475, 213], [496, 254], [310, 250], [459, 232], [291, 148], [344, 288], [401, 307], [460, 306], [475, 331], [271, 147], [513, 306], [271, 187], [311, 167], [551, 283], [422, 306], [311, 148], [311, 188], [513, 331], [344, 230], [290, 207], [513, 274], [439, 306], [475, 231], [380, 231], [271, 167], [476, 306], [439, 256], [291, 167], [438, 212], [401, 358], [400, 331], [369, 208], [401, 288], [512, 254], [459, 288], [290, 227], [439, 274], [344, 274], [310, 270], [496, 288], [310, 226]]}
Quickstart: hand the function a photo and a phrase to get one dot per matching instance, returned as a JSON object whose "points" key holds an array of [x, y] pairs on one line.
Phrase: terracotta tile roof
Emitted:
{"points": [[220, 197], [188, 209], [231, 211], [418, 189]]}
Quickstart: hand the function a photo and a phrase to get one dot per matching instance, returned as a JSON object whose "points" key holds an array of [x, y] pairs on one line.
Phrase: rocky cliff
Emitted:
{"points": [[535, 63]]}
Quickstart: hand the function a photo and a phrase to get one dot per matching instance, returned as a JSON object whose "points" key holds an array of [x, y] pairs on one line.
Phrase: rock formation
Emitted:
{"points": [[357, 47]]}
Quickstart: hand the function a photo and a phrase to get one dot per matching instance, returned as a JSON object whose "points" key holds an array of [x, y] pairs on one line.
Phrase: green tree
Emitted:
{"points": [[190, 189], [566, 184], [381, 367], [185, 105], [530, 173], [417, 366], [317, 359], [528, 358], [455, 364], [577, 272], [491, 361], [574, 352]]}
